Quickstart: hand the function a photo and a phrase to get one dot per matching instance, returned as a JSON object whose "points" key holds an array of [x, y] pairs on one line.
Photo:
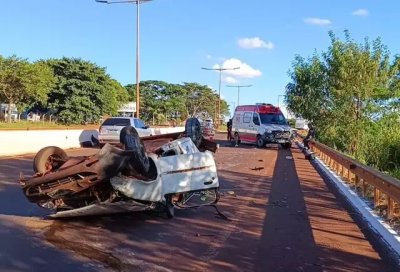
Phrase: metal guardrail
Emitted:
{"points": [[385, 188]]}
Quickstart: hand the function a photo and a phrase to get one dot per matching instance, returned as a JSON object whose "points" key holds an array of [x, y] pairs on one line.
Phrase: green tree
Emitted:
{"points": [[23, 83], [351, 92], [131, 90], [202, 100], [361, 80], [84, 91], [176, 101], [307, 95]]}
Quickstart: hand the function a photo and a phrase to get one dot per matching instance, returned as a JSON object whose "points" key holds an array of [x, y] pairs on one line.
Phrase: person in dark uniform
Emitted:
{"points": [[310, 136], [229, 128]]}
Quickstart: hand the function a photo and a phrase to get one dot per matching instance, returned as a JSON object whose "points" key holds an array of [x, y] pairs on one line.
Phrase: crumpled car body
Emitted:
{"points": [[165, 171]]}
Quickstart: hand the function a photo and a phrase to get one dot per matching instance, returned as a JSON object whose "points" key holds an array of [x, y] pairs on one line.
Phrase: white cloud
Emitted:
{"points": [[245, 70], [317, 21], [209, 57], [256, 42], [360, 12], [230, 80]]}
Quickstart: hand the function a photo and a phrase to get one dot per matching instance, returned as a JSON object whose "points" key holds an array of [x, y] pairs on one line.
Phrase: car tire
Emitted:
{"points": [[49, 155], [129, 137], [193, 130], [260, 142]]}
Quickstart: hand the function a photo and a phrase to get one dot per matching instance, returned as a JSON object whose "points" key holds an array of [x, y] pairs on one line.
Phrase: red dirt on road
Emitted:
{"points": [[282, 217]]}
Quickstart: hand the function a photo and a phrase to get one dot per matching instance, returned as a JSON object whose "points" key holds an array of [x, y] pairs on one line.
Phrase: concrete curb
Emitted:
{"points": [[19, 142]]}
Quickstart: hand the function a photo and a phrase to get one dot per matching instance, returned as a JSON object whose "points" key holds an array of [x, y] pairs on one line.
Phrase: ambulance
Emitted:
{"points": [[261, 124]]}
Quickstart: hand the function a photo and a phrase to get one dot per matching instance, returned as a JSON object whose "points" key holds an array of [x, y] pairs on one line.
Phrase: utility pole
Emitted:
{"points": [[279, 97], [137, 2], [238, 88], [219, 88]]}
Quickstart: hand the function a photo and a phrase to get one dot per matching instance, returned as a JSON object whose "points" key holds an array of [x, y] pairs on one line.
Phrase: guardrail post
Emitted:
{"points": [[377, 197], [349, 175], [364, 187], [390, 207], [356, 181]]}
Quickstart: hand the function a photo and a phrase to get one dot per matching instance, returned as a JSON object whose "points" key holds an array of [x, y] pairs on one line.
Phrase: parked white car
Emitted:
{"points": [[110, 129]]}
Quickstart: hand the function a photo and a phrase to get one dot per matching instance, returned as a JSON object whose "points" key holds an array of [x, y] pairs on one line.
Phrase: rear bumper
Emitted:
{"points": [[109, 139]]}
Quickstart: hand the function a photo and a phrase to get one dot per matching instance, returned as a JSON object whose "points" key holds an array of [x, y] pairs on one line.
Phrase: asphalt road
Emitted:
{"points": [[282, 217]]}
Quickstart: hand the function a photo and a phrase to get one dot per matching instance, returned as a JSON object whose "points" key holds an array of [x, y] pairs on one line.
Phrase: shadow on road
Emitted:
{"points": [[22, 251]]}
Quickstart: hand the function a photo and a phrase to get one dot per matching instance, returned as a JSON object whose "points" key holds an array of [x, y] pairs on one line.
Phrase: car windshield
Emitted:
{"points": [[116, 122], [273, 118]]}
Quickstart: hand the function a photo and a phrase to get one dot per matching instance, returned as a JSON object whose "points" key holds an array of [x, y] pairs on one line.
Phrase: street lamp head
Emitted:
{"points": [[220, 69], [239, 86], [119, 2], [226, 69]]}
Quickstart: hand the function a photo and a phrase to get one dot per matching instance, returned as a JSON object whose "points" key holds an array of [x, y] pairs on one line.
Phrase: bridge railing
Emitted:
{"points": [[382, 188]]}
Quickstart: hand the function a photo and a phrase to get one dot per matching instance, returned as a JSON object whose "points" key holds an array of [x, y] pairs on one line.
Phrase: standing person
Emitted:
{"points": [[310, 136], [229, 128]]}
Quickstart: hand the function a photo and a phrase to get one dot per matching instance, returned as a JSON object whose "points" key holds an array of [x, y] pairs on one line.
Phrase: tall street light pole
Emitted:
{"points": [[217, 118], [281, 95], [137, 2], [238, 88]]}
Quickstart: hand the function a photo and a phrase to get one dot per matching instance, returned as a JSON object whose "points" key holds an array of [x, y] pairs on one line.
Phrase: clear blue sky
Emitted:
{"points": [[178, 37]]}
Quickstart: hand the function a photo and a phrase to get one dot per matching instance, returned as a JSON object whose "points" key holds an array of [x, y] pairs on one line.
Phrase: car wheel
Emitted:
{"points": [[193, 130], [169, 206], [129, 137], [260, 142], [49, 158]]}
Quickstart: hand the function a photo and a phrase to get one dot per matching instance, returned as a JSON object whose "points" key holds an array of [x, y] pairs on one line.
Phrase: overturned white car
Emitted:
{"points": [[165, 171]]}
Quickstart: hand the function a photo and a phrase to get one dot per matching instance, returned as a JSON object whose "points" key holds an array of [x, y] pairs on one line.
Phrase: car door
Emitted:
{"points": [[256, 123], [249, 131], [141, 128]]}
